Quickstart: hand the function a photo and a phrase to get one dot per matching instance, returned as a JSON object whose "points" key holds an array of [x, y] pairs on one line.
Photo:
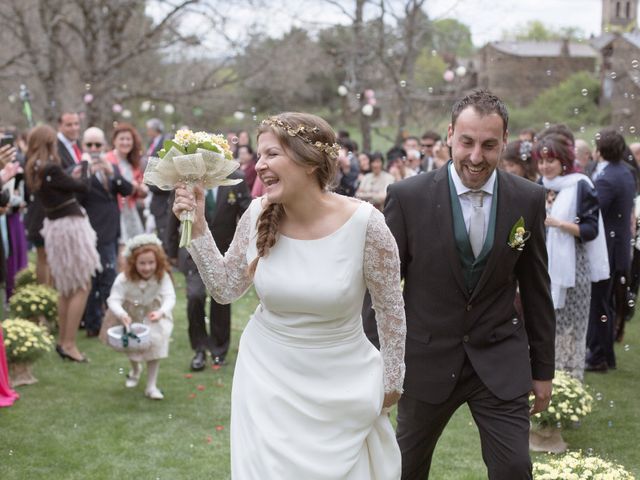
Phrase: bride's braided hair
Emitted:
{"points": [[309, 141]]}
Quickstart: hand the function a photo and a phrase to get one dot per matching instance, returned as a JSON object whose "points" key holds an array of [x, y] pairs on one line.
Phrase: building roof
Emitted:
{"points": [[605, 39], [544, 49]]}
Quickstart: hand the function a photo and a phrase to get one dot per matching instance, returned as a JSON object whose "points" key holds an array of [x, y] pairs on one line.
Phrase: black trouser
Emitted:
{"points": [[217, 342], [503, 426], [101, 284], [600, 332]]}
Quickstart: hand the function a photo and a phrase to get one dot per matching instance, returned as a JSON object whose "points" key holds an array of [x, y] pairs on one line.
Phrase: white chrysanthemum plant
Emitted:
{"points": [[576, 466], [192, 158]]}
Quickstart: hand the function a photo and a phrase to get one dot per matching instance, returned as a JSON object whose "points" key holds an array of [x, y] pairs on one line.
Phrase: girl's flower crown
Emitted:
{"points": [[139, 241], [303, 132]]}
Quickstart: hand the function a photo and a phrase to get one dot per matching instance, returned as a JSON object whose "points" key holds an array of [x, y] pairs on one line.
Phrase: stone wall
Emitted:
{"points": [[519, 79]]}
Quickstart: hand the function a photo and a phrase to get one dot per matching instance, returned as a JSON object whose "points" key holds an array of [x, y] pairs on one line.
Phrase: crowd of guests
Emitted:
{"points": [[77, 198]]}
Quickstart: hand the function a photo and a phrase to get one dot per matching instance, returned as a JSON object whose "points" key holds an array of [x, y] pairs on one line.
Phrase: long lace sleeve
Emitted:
{"points": [[225, 277], [116, 296], [382, 276]]}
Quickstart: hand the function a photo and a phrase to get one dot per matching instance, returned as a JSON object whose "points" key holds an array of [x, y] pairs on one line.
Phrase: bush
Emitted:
{"points": [[575, 466], [35, 302], [570, 401], [26, 276], [573, 102], [24, 341]]}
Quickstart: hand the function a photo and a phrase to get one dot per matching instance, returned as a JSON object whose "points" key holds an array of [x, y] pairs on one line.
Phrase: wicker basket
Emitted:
{"points": [[137, 340]]}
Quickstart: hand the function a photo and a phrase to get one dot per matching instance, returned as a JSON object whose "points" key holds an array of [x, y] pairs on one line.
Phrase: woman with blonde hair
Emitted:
{"points": [[310, 392], [69, 240]]}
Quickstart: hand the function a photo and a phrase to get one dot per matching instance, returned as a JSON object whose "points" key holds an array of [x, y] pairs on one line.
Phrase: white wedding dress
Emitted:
{"points": [[308, 386]]}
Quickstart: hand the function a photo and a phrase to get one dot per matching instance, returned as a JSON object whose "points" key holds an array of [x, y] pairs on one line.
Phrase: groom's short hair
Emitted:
{"points": [[610, 144], [485, 103]]}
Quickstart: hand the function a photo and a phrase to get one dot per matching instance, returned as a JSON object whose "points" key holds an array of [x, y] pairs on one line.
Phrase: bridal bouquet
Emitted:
{"points": [[191, 158]]}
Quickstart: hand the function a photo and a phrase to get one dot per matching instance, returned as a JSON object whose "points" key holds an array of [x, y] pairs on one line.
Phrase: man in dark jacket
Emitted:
{"points": [[615, 186], [101, 205]]}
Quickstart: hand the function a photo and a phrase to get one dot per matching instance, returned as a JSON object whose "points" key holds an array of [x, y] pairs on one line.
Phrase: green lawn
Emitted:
{"points": [[79, 421]]}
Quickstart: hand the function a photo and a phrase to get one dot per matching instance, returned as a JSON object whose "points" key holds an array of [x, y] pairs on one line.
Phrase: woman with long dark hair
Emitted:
{"points": [[69, 240]]}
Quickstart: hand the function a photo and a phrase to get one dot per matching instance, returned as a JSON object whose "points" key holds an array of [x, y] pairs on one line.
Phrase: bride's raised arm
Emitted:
{"points": [[225, 277]]}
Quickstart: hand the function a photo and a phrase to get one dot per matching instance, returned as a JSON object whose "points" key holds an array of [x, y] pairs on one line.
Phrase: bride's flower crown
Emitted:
{"points": [[303, 132], [139, 241]]}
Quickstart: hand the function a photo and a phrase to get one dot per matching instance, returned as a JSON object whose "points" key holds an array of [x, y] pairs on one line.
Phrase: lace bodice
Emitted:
{"points": [[226, 278]]}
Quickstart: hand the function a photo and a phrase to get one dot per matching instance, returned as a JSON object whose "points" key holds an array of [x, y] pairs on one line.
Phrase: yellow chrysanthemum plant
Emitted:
{"points": [[38, 303], [576, 466], [26, 276], [24, 341], [191, 158], [570, 401]]}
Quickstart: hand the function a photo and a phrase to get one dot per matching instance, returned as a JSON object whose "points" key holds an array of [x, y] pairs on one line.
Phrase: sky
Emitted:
{"points": [[487, 19]]}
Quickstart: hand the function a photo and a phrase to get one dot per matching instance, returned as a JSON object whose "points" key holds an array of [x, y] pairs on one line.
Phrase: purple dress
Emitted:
{"points": [[17, 259]]}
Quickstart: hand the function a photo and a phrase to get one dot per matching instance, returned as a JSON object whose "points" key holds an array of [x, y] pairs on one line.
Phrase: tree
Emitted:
{"points": [[451, 39], [537, 31]]}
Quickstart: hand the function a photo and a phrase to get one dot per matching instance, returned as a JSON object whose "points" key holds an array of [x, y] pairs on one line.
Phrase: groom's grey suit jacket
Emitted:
{"points": [[446, 321]]}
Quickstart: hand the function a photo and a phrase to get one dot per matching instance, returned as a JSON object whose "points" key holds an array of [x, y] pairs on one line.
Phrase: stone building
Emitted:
{"points": [[518, 71], [619, 48], [620, 77]]}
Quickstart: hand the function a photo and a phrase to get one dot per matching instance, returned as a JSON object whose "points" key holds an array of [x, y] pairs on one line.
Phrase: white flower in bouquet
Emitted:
{"points": [[192, 158]]}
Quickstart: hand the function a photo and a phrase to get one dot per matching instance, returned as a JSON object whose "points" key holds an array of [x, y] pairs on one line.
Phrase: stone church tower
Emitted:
{"points": [[619, 15]]}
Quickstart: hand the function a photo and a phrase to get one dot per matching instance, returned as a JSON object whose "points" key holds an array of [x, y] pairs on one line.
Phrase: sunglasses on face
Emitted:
{"points": [[93, 144], [428, 145]]}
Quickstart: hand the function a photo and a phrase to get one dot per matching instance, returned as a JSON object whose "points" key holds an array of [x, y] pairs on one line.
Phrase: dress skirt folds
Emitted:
{"points": [[70, 244], [308, 386]]}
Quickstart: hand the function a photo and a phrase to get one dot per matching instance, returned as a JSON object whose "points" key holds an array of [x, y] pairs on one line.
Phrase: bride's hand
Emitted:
{"points": [[185, 201], [390, 399]]}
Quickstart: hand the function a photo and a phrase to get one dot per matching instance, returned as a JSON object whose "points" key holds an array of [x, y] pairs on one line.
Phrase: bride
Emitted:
{"points": [[310, 393]]}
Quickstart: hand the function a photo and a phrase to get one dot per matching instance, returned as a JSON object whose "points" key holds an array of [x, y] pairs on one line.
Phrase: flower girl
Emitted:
{"points": [[143, 293]]}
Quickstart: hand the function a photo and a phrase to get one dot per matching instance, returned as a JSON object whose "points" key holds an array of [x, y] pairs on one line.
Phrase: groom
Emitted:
{"points": [[465, 343]]}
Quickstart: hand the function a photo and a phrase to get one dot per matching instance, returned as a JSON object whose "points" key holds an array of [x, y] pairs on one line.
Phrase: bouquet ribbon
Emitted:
{"points": [[204, 167]]}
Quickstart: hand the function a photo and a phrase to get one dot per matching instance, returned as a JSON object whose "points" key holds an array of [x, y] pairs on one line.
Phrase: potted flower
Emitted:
{"points": [[26, 276], [576, 466], [38, 303], [24, 342], [570, 401]]}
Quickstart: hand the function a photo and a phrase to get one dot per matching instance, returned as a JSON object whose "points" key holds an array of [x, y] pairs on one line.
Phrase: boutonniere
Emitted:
{"points": [[231, 198], [518, 236]]}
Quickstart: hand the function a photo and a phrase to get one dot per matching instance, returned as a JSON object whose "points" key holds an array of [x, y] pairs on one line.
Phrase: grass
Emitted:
{"points": [[79, 421]]}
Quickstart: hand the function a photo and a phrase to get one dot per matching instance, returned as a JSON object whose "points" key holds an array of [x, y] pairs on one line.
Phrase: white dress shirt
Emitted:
{"points": [[465, 201]]}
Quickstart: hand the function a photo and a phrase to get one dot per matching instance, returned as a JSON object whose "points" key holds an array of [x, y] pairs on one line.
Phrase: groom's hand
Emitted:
{"points": [[542, 393]]}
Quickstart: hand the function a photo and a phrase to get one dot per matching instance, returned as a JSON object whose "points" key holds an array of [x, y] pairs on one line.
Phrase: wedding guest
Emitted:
{"points": [[411, 142], [373, 187], [465, 343], [7, 173], [310, 254], [69, 240], [347, 178], [427, 143], [101, 204], [68, 134], [527, 135], [576, 245], [517, 159], [126, 155], [397, 164], [440, 155], [364, 163], [584, 158], [159, 205], [615, 187], [244, 139], [143, 293], [8, 396], [248, 164]]}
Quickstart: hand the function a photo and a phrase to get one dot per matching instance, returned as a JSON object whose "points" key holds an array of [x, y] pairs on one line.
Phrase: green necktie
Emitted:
{"points": [[210, 202]]}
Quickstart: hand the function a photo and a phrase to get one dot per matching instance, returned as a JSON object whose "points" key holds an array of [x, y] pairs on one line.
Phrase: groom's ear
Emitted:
{"points": [[449, 135]]}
